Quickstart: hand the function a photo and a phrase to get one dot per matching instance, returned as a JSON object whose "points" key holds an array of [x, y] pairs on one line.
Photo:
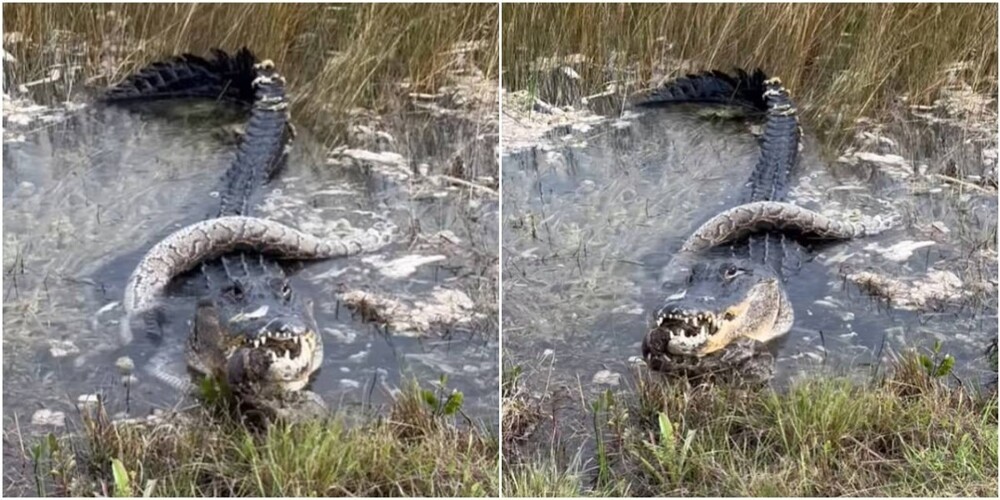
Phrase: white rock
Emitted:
{"points": [[607, 377], [49, 417], [636, 360], [125, 364], [403, 266], [62, 348], [899, 252], [87, 400]]}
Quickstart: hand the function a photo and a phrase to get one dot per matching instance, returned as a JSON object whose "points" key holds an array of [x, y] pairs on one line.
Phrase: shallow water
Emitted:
{"points": [[85, 198], [593, 213]]}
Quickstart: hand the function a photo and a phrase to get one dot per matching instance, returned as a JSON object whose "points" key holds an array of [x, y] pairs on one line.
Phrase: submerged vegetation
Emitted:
{"points": [[841, 61], [417, 450], [335, 57], [907, 433]]}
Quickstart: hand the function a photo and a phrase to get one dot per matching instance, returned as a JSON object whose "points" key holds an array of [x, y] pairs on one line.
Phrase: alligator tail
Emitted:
{"points": [[753, 90], [779, 146], [264, 147], [712, 87], [223, 76]]}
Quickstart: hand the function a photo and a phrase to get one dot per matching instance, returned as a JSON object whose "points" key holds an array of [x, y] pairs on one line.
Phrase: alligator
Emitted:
{"points": [[726, 296], [250, 328]]}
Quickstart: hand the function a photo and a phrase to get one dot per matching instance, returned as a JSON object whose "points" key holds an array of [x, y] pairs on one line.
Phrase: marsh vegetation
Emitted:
{"points": [[840, 61], [905, 432], [396, 108], [899, 111]]}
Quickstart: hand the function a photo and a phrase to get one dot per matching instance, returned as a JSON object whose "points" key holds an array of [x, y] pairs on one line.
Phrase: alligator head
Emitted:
{"points": [[257, 335], [716, 302]]}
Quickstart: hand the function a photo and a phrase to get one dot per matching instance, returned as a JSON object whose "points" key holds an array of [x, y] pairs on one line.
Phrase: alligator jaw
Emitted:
{"points": [[687, 331], [291, 358], [761, 313]]}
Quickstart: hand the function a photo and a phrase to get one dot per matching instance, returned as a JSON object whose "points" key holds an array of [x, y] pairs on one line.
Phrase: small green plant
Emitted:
{"points": [[669, 456], [511, 376], [440, 405], [936, 365], [599, 407], [123, 482], [42, 454]]}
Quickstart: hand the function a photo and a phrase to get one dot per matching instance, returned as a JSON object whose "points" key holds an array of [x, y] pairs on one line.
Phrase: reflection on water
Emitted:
{"points": [[593, 214], [85, 198]]}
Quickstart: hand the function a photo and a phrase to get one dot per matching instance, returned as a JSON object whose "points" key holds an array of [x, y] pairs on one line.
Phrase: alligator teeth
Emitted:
{"points": [[702, 332], [288, 355]]}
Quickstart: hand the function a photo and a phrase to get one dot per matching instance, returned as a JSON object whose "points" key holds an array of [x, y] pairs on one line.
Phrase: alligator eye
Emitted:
{"points": [[286, 292], [732, 272]]}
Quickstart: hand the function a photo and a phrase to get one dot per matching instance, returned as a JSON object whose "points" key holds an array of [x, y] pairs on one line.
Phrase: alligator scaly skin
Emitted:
{"points": [[222, 77], [250, 327], [725, 308]]}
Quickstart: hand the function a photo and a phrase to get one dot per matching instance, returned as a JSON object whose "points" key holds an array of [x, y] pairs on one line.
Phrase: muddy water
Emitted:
{"points": [[593, 213], [86, 197]]}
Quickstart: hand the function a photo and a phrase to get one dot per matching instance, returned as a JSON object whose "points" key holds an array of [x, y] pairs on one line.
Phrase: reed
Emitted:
{"points": [[335, 57], [842, 61]]}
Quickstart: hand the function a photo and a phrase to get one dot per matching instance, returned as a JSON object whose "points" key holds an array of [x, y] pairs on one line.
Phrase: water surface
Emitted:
{"points": [[85, 197], [592, 214]]}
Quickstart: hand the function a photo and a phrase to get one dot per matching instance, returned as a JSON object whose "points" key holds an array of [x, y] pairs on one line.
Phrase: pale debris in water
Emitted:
{"points": [[48, 417], [894, 165], [401, 267], [87, 400], [62, 348], [445, 307], [607, 377], [524, 128], [914, 294], [392, 165], [125, 364], [899, 252]]}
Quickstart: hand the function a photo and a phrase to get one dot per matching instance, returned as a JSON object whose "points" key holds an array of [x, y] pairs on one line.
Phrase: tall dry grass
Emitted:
{"points": [[842, 61], [335, 56]]}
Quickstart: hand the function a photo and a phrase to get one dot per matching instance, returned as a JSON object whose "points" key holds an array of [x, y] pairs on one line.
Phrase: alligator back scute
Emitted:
{"points": [[222, 77], [265, 145], [712, 87], [779, 143], [778, 149]]}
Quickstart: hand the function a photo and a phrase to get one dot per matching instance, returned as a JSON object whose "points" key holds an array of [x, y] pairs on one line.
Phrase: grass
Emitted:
{"points": [[905, 434], [415, 451], [841, 61], [335, 57]]}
